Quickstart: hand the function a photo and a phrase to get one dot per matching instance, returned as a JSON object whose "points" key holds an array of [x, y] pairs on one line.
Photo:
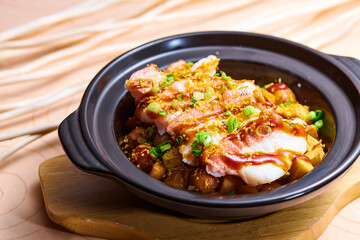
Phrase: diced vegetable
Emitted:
{"points": [[299, 168], [230, 183], [316, 155], [203, 181], [141, 157], [172, 158], [158, 171], [177, 179]]}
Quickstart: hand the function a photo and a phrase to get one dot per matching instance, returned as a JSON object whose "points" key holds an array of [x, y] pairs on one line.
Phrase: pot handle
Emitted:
{"points": [[352, 64], [75, 146]]}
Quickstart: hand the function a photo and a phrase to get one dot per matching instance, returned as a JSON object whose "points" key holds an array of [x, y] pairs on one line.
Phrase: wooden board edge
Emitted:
{"points": [[88, 226], [315, 231]]}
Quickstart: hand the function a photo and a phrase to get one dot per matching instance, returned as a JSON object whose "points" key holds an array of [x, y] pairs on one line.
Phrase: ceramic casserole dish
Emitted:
{"points": [[90, 135]]}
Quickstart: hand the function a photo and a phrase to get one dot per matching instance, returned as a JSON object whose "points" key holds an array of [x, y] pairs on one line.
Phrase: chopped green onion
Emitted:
{"points": [[141, 140], [164, 85], [154, 151], [180, 98], [193, 101], [217, 129], [175, 103], [208, 141], [231, 84], [225, 77], [190, 64], [235, 123], [150, 131], [198, 96], [267, 85], [186, 75], [319, 114], [222, 89], [202, 136], [162, 113], [319, 123], [223, 154], [230, 126], [170, 78], [313, 125], [228, 112], [164, 143], [160, 149], [217, 74], [179, 139], [197, 152], [311, 115], [287, 104], [154, 107], [232, 192], [263, 130], [249, 110], [209, 91], [155, 89], [191, 187], [145, 83], [195, 148], [165, 147], [279, 80]]}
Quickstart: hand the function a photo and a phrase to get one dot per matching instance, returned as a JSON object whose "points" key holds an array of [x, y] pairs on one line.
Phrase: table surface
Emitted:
{"points": [[46, 58]]}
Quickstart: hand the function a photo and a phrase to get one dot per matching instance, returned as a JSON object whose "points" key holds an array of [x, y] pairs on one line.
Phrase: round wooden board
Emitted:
{"points": [[94, 206]]}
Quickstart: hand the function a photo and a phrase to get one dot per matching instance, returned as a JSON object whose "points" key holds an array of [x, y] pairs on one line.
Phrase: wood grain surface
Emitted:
{"points": [[100, 207], [59, 55]]}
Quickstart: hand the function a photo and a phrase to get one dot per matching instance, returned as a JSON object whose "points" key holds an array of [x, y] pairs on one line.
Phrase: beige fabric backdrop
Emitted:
{"points": [[331, 26]]}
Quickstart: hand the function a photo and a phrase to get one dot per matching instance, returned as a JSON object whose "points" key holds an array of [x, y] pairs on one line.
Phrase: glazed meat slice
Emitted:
{"points": [[142, 81], [189, 92]]}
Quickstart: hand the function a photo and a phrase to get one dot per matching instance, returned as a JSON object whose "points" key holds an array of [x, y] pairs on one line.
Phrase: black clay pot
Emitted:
{"points": [[89, 135]]}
